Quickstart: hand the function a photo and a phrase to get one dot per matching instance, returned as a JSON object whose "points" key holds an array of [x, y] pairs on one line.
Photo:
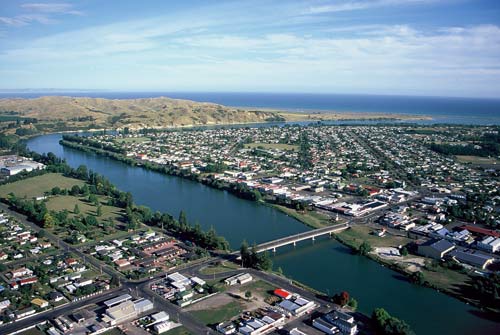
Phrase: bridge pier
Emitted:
{"points": [[274, 250], [294, 243]]}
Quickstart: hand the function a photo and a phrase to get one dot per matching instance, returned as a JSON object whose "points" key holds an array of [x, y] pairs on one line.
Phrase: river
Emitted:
{"points": [[325, 264]]}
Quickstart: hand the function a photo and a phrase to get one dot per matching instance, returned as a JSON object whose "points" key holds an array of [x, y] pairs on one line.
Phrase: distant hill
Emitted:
{"points": [[135, 113]]}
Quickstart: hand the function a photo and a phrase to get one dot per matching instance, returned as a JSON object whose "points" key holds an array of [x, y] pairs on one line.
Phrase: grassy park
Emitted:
{"points": [[278, 146], [36, 186]]}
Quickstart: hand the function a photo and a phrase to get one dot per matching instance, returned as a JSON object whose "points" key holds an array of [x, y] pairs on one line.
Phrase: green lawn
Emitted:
{"points": [[476, 160], [114, 331], [133, 140], [278, 146], [61, 202], [312, 219], [178, 331], [222, 313], [259, 287], [36, 186], [357, 234], [219, 268], [33, 331]]}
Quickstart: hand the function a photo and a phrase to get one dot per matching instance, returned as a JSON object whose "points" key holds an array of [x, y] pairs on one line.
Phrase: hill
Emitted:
{"points": [[135, 113]]}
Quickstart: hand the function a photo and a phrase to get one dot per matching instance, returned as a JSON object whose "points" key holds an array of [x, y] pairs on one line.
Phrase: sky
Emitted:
{"points": [[409, 47]]}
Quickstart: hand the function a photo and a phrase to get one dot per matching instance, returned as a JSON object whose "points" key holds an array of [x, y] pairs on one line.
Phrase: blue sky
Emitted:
{"points": [[414, 47]]}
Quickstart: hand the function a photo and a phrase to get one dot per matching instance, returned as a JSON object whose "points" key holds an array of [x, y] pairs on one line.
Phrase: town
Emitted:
{"points": [[389, 192]]}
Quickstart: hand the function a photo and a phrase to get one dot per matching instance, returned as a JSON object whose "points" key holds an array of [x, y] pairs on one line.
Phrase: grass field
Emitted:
{"points": [[446, 279], [476, 160], [133, 140], [278, 146], [258, 287], [36, 186], [178, 331], [32, 331], [312, 219], [219, 268], [61, 202], [222, 313], [357, 234]]}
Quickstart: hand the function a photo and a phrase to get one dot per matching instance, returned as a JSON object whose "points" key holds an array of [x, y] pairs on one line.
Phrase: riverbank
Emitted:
{"points": [[442, 279], [325, 265], [438, 279]]}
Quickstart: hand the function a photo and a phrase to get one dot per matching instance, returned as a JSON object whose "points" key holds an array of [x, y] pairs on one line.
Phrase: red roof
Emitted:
{"points": [[282, 293], [482, 231]]}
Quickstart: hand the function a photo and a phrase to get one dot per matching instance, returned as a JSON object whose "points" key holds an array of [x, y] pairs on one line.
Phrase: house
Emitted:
{"points": [[55, 296], [28, 281], [435, 249], [21, 272], [25, 312], [4, 304], [40, 303], [122, 263]]}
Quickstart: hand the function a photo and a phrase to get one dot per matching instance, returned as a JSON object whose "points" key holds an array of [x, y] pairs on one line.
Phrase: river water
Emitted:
{"points": [[325, 264]]}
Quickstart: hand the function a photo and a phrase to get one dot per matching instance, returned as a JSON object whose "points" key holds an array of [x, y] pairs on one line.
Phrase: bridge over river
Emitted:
{"points": [[293, 239]]}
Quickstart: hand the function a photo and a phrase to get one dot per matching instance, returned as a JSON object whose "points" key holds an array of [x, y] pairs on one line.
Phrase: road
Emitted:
{"points": [[138, 287], [51, 314]]}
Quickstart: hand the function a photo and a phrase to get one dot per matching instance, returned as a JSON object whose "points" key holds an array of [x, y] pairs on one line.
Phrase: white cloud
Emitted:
{"points": [[60, 8], [346, 6], [40, 13]]}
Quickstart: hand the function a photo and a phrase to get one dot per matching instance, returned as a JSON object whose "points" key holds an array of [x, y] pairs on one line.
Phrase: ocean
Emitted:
{"points": [[473, 111]]}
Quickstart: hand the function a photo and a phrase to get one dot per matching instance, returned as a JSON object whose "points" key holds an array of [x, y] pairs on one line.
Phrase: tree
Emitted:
{"points": [[245, 254], [48, 221], [342, 298], [305, 157], [404, 251], [99, 210], [183, 220], [76, 209], [353, 303], [364, 248], [386, 324], [115, 281], [248, 295], [417, 278]]}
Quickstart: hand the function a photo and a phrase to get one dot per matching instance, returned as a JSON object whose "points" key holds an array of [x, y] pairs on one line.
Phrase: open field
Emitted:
{"points": [[336, 116], [68, 202], [178, 331], [278, 146], [36, 186], [477, 160], [312, 219], [446, 279], [219, 314], [219, 268], [356, 235], [133, 140]]}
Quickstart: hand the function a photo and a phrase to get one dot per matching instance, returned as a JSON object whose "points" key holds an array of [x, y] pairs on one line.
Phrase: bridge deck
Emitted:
{"points": [[271, 245]]}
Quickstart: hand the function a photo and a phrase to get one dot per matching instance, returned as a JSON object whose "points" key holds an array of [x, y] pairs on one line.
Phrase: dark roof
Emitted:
{"points": [[439, 245], [476, 258]]}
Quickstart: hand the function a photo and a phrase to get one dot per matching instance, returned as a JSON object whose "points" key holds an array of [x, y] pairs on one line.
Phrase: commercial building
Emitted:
{"points": [[435, 249]]}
